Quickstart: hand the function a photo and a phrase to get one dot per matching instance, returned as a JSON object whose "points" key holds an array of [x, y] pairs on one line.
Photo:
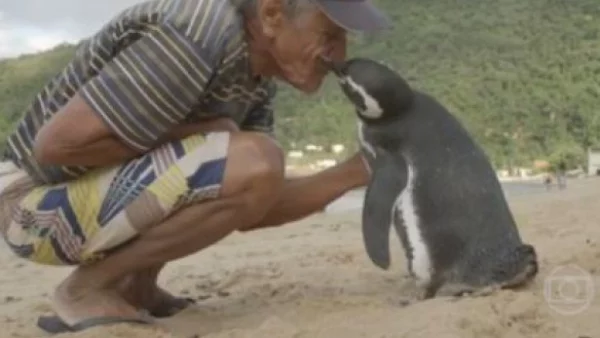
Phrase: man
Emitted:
{"points": [[154, 143]]}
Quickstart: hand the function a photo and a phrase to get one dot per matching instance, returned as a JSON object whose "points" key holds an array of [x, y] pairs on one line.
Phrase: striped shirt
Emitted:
{"points": [[154, 66]]}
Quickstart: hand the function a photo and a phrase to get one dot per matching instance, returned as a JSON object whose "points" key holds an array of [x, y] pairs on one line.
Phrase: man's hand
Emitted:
{"points": [[357, 169]]}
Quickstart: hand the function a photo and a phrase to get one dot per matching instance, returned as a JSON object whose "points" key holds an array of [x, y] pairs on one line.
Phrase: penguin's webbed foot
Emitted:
{"points": [[458, 291], [517, 268]]}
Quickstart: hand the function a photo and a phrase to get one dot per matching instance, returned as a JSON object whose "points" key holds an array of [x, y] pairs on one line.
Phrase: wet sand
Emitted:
{"points": [[313, 279]]}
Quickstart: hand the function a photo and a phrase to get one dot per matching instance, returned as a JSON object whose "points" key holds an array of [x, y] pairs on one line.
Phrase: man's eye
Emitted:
{"points": [[328, 36], [332, 36]]}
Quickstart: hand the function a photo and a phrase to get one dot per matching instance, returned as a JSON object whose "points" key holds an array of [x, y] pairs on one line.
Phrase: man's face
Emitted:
{"points": [[297, 44]]}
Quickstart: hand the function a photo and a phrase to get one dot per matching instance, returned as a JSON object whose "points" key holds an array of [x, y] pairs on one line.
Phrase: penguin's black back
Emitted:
{"points": [[456, 182]]}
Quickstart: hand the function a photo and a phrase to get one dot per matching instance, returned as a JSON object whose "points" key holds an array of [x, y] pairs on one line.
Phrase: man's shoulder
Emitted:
{"points": [[203, 21], [206, 20], [210, 26]]}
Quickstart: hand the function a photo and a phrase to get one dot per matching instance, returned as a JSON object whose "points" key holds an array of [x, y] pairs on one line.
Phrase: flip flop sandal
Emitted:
{"points": [[55, 325], [178, 305]]}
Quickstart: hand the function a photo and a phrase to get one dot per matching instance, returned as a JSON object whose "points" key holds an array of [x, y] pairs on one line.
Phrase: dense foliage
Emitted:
{"points": [[522, 75]]}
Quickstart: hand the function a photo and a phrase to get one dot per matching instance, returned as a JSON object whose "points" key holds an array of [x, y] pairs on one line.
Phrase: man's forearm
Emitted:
{"points": [[303, 196]]}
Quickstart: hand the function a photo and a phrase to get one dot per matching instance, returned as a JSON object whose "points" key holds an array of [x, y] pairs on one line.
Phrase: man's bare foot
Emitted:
{"points": [[74, 302], [164, 304], [141, 290]]}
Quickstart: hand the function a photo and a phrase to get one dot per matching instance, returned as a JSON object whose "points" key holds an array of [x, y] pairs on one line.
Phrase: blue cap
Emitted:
{"points": [[355, 15]]}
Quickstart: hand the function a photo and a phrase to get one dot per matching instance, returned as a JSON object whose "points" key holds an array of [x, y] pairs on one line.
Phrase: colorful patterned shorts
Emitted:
{"points": [[82, 220]]}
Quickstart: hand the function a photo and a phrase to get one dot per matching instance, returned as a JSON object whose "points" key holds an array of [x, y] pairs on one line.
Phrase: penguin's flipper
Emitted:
{"points": [[387, 182]]}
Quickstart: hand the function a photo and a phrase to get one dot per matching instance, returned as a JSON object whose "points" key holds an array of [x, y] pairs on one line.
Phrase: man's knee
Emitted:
{"points": [[255, 165]]}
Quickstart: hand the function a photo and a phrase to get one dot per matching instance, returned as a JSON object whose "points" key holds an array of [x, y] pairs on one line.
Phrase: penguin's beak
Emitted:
{"points": [[332, 66]]}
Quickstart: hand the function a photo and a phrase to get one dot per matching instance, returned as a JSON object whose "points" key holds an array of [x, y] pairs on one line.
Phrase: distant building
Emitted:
{"points": [[337, 148], [594, 161], [542, 165]]}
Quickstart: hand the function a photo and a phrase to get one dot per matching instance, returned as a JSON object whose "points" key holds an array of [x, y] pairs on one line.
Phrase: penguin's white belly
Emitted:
{"points": [[406, 208]]}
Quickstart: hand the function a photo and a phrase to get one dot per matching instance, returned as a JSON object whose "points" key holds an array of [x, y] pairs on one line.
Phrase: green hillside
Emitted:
{"points": [[522, 75]]}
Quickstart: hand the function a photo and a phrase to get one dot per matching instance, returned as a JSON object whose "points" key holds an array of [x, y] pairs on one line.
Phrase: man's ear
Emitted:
{"points": [[271, 16]]}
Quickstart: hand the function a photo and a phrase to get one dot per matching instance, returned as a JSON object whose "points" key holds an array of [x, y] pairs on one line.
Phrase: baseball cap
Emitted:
{"points": [[355, 15]]}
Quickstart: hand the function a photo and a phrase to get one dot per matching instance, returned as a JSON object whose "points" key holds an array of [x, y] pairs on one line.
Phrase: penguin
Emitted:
{"points": [[434, 185]]}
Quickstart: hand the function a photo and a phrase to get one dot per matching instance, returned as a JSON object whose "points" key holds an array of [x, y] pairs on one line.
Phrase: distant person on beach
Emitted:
{"points": [[548, 181], [561, 174], [156, 141]]}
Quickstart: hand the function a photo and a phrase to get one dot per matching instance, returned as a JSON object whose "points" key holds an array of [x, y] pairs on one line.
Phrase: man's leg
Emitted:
{"points": [[300, 197], [251, 184]]}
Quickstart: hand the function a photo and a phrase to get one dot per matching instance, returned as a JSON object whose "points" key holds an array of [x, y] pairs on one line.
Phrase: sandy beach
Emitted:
{"points": [[313, 279]]}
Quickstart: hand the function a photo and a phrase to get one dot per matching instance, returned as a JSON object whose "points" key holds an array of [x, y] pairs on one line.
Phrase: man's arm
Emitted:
{"points": [[303, 196], [132, 105]]}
